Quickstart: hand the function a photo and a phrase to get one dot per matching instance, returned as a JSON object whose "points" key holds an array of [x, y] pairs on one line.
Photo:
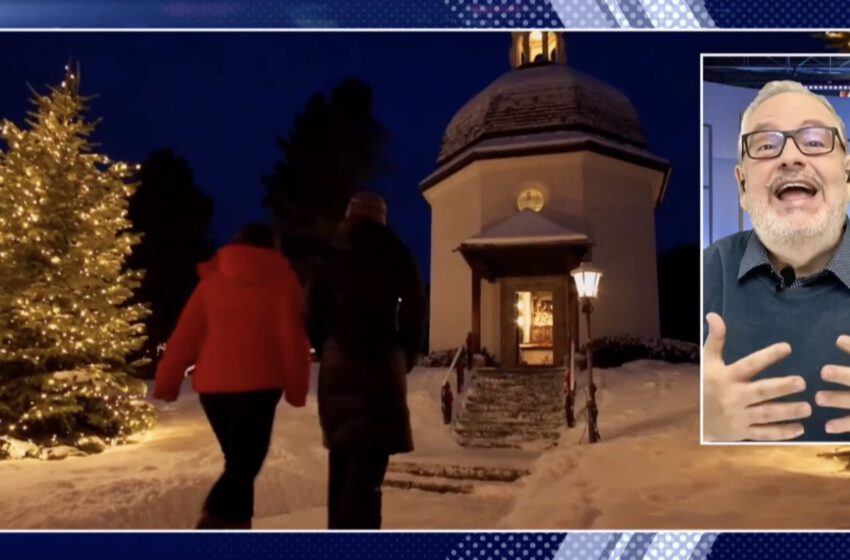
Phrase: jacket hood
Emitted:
{"points": [[245, 264]]}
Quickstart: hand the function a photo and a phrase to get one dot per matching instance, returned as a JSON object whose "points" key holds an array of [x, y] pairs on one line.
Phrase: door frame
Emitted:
{"points": [[508, 329]]}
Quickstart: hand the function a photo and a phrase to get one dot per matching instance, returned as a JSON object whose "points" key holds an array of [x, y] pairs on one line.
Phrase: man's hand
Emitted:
{"points": [[836, 399], [737, 408]]}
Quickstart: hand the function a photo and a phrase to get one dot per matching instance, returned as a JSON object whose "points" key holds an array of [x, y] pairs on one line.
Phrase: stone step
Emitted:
{"points": [[487, 443], [518, 375], [479, 407], [540, 387], [508, 435], [440, 486], [515, 378], [516, 399], [513, 417], [490, 443], [468, 422], [499, 414], [531, 419], [485, 405], [458, 472], [516, 382], [489, 386], [526, 402], [511, 408], [521, 371], [509, 427]]}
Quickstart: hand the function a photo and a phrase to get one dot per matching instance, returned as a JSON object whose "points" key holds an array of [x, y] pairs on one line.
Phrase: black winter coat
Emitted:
{"points": [[366, 317]]}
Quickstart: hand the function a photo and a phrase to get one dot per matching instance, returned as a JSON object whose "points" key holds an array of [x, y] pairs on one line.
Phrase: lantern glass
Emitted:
{"points": [[587, 280]]}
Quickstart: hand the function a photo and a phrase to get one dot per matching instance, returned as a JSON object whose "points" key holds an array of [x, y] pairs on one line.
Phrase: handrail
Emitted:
{"points": [[452, 366], [447, 398]]}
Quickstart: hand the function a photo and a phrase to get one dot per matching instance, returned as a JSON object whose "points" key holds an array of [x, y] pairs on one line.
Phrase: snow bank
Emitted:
{"points": [[161, 481], [649, 471]]}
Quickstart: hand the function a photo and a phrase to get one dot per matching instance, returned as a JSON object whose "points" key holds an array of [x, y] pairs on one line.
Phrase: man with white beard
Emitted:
{"points": [[777, 356]]}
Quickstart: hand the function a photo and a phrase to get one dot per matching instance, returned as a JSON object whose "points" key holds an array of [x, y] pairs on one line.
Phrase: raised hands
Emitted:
{"points": [[738, 408], [836, 399]]}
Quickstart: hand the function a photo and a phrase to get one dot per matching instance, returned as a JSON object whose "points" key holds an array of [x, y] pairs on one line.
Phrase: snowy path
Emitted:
{"points": [[648, 472], [412, 509], [160, 483]]}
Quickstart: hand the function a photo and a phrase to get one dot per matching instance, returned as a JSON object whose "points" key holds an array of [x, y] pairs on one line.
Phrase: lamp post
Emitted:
{"points": [[570, 388], [587, 284]]}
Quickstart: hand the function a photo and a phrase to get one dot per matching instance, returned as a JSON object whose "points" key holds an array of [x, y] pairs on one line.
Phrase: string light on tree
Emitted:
{"points": [[64, 288]]}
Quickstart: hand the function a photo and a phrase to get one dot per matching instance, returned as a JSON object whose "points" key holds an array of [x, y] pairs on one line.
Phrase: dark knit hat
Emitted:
{"points": [[367, 205]]}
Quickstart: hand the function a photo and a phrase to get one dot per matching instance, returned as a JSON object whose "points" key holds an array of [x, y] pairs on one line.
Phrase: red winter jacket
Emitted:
{"points": [[243, 329]]}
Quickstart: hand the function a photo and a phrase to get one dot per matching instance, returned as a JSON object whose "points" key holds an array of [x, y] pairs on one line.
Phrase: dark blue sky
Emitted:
{"points": [[219, 99]]}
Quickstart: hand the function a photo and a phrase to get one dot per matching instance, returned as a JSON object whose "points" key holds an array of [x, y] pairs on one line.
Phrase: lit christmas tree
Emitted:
{"points": [[65, 324]]}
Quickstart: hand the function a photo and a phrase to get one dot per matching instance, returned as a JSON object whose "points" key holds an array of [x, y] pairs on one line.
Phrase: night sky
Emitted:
{"points": [[219, 100]]}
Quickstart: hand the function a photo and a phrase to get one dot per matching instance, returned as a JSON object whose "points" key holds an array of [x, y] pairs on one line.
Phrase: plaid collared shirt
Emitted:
{"points": [[756, 259]]}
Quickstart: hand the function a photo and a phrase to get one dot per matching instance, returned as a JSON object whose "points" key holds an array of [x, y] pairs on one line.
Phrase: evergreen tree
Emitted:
{"points": [[335, 147], [679, 293], [64, 238], [173, 215]]}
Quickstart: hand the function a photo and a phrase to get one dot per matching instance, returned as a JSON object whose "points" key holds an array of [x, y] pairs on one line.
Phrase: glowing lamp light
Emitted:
{"points": [[587, 284], [587, 280]]}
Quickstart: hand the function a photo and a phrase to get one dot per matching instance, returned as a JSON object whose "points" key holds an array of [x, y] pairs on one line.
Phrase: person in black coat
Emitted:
{"points": [[366, 321]]}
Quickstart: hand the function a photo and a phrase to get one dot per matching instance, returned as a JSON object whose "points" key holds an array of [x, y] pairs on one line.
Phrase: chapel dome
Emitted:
{"points": [[540, 97]]}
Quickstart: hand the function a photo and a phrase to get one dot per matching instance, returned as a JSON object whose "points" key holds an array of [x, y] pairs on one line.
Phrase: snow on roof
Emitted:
{"points": [[524, 228], [539, 98]]}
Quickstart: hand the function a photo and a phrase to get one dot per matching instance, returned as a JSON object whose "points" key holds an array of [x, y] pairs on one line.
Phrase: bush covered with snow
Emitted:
{"points": [[443, 358], [615, 351], [438, 359]]}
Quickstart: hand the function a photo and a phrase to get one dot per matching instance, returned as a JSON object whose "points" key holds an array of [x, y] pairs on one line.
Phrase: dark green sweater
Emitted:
{"points": [[759, 310]]}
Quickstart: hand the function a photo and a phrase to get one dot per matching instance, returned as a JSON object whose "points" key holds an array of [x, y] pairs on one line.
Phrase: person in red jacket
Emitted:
{"points": [[243, 329]]}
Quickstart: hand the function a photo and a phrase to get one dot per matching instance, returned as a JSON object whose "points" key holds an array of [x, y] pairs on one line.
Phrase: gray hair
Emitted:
{"points": [[777, 87]]}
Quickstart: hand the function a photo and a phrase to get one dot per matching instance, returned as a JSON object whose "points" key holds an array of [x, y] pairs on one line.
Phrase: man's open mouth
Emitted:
{"points": [[794, 190]]}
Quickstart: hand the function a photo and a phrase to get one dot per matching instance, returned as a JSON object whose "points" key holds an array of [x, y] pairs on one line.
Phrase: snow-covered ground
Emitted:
{"points": [[648, 472]]}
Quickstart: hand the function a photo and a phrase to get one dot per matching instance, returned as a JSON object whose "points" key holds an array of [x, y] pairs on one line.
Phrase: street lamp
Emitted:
{"points": [[587, 284]]}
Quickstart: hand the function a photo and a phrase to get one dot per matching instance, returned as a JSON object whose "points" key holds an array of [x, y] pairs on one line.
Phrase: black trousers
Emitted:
{"points": [[354, 487], [242, 423]]}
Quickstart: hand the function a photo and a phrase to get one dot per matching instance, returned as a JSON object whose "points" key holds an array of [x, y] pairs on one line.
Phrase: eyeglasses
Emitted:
{"points": [[811, 141]]}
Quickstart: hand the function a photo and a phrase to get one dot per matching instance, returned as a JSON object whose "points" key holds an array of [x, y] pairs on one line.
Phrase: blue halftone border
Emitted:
{"points": [[229, 546], [784, 14], [436, 14], [781, 546], [424, 546]]}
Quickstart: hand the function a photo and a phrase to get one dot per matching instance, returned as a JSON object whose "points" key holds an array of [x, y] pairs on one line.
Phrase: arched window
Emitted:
{"points": [[536, 47], [535, 44]]}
